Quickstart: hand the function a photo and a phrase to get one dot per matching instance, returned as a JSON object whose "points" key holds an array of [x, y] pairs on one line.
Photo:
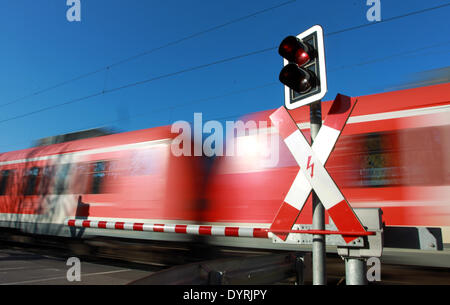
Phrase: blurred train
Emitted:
{"points": [[392, 154]]}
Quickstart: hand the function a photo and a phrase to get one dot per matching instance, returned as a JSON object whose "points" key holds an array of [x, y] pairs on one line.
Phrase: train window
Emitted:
{"points": [[98, 177], [46, 178], [61, 177], [80, 174], [31, 177], [4, 181], [379, 166], [424, 154]]}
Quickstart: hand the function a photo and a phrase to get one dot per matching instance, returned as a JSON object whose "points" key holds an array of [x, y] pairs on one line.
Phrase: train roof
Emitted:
{"points": [[144, 135], [429, 96], [436, 95]]}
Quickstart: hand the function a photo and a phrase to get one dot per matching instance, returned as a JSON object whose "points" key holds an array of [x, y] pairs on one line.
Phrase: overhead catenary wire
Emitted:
{"points": [[378, 59], [141, 82], [207, 31], [388, 19], [249, 89], [184, 104], [147, 52], [217, 62], [195, 101], [187, 103]]}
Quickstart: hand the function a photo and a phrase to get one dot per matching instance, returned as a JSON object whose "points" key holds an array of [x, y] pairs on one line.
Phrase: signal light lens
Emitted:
{"points": [[301, 57], [299, 80], [294, 50]]}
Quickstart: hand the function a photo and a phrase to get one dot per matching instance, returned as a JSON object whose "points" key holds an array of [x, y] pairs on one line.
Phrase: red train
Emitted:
{"points": [[393, 154]]}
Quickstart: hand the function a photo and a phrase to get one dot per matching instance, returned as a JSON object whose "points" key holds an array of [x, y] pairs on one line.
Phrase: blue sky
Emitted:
{"points": [[40, 48]]}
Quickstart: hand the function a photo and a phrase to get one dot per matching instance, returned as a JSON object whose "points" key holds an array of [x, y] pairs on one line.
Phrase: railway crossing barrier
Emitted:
{"points": [[365, 244]]}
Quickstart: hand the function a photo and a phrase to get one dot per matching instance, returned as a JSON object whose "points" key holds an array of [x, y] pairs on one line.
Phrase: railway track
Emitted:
{"points": [[204, 265]]}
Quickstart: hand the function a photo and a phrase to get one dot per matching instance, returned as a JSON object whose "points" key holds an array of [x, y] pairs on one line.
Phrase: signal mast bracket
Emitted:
{"points": [[373, 244], [363, 246]]}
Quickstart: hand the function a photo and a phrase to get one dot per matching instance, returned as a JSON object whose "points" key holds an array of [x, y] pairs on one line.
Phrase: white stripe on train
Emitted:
{"points": [[351, 120], [139, 145]]}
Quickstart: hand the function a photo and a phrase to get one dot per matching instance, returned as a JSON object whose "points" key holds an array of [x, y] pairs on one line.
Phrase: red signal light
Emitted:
{"points": [[304, 74], [299, 80], [294, 50]]}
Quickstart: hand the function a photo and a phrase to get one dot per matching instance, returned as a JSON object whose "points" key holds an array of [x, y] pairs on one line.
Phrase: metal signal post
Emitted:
{"points": [[318, 222], [304, 76]]}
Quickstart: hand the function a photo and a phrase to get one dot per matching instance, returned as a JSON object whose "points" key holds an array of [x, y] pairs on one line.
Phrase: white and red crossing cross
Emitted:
{"points": [[312, 173]]}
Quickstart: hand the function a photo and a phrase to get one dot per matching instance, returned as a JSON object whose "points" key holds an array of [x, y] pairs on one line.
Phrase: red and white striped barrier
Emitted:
{"points": [[171, 228], [199, 229], [312, 173]]}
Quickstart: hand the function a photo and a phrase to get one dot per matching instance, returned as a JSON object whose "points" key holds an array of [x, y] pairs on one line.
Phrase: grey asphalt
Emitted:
{"points": [[22, 267]]}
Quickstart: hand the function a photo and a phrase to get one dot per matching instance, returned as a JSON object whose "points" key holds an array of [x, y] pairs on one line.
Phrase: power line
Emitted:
{"points": [[388, 19], [201, 100], [197, 68], [171, 43], [221, 61], [184, 104], [190, 69], [210, 30], [368, 62], [52, 87], [201, 33], [135, 84], [52, 107]]}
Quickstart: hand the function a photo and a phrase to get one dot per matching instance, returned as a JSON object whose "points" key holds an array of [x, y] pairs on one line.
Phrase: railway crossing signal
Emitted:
{"points": [[304, 77], [304, 72]]}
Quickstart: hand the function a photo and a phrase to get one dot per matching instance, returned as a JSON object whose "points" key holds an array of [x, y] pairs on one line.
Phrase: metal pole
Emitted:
{"points": [[318, 246], [355, 271]]}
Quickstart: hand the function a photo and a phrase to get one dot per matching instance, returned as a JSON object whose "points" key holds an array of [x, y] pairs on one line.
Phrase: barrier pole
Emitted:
{"points": [[355, 271]]}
